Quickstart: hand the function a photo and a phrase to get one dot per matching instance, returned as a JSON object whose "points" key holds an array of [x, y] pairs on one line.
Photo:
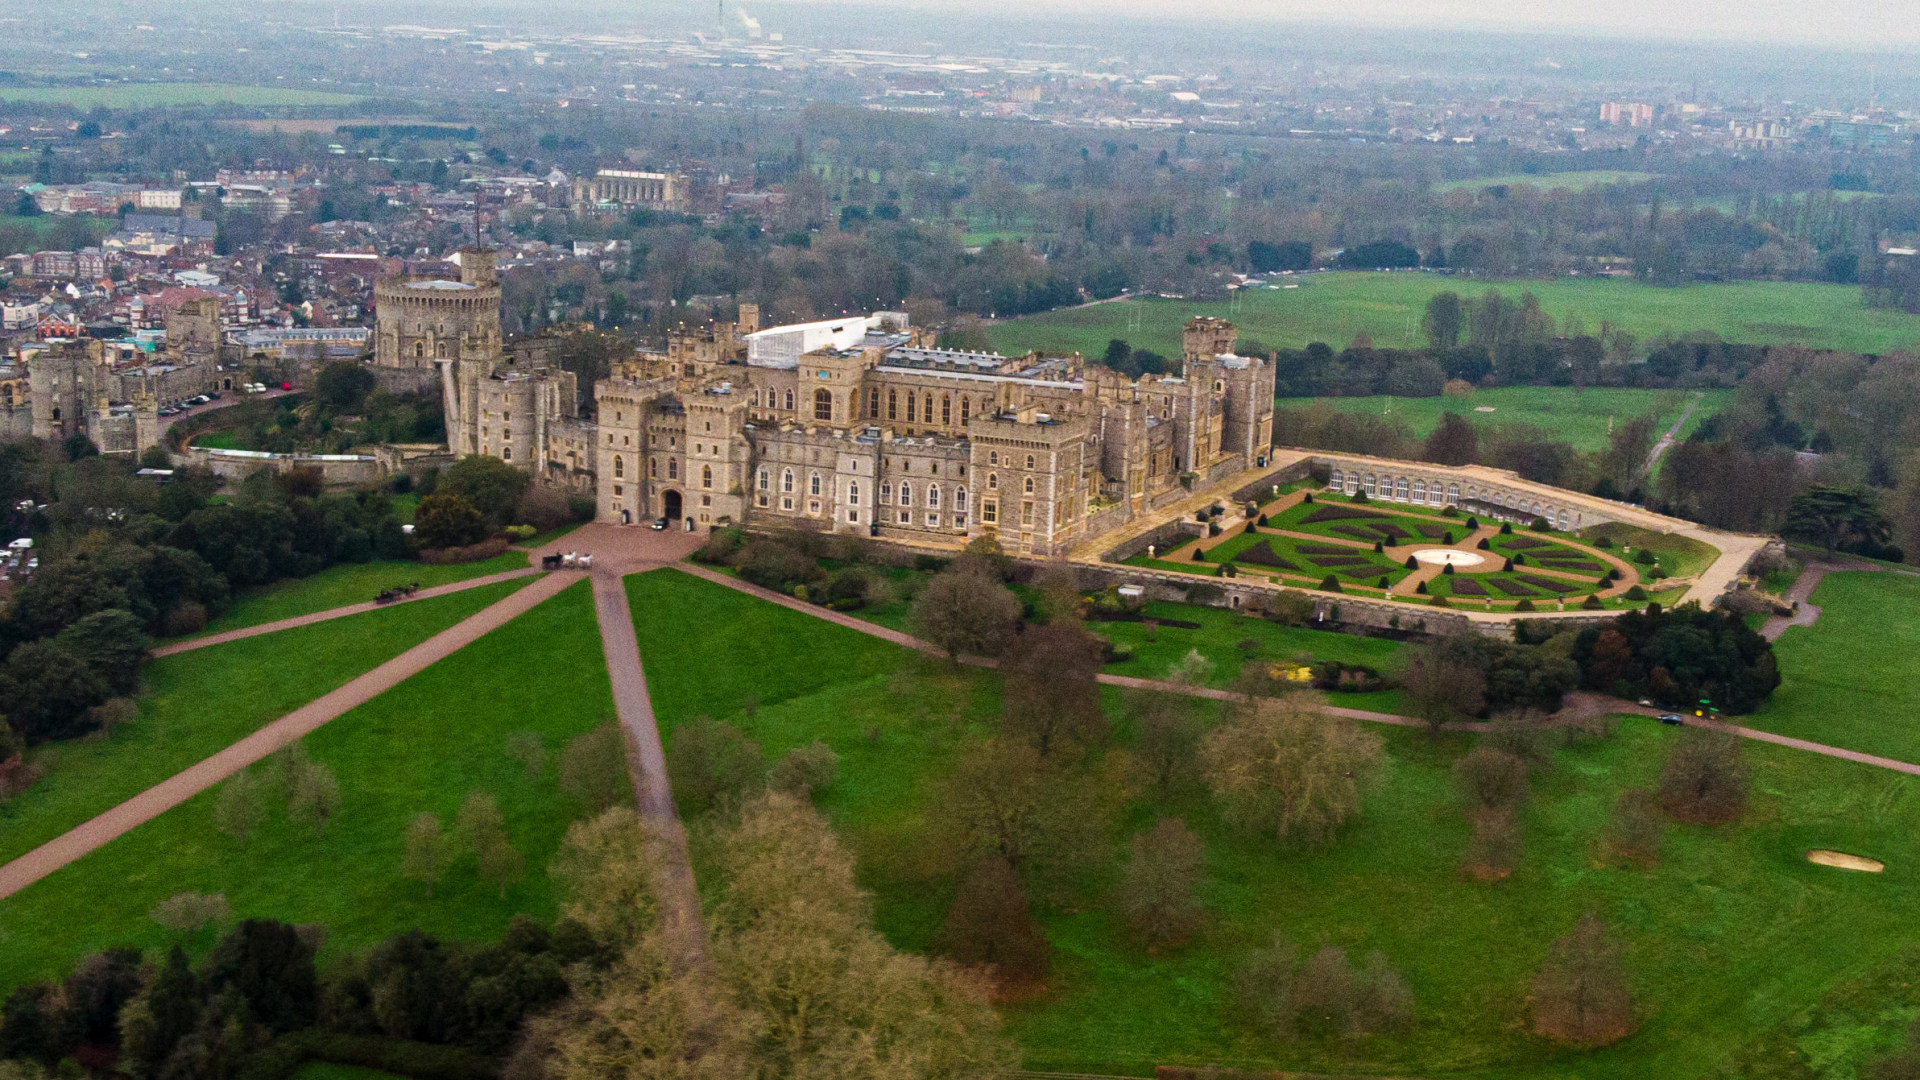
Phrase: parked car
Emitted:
{"points": [[659, 524], [1672, 719]]}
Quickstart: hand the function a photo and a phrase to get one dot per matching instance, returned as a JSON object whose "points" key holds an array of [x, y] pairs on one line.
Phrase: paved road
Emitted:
{"points": [[1611, 705], [337, 613], [191, 781], [1673, 433], [673, 868]]}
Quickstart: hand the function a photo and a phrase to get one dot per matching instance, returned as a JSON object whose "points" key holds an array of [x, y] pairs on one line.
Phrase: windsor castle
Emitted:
{"points": [[859, 424]]}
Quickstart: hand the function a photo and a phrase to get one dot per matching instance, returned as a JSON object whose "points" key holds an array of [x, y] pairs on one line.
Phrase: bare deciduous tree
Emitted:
{"points": [[1704, 779], [1634, 829], [990, 923], [1159, 887], [1490, 779], [965, 611], [1581, 996], [427, 850], [1277, 768], [804, 770], [188, 912], [593, 769], [1052, 696], [1440, 690], [240, 806]]}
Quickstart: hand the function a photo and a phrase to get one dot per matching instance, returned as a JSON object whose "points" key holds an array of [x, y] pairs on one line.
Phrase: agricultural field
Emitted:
{"points": [[1849, 678], [1582, 416], [422, 746], [159, 95], [1730, 937], [1561, 181], [1387, 307]]}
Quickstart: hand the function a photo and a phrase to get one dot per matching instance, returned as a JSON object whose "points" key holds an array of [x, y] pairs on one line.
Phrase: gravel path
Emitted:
{"points": [[337, 613], [184, 785]]}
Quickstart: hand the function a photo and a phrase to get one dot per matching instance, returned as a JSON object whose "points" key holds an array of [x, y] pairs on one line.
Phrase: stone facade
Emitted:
{"points": [[425, 321], [887, 437]]}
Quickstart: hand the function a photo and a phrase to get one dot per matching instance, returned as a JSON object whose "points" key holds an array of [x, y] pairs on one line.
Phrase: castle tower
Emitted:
{"points": [[477, 267], [1205, 338]]}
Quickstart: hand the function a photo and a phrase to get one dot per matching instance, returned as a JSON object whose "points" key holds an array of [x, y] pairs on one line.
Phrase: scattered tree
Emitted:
{"points": [[530, 750], [714, 766], [1493, 846], [1704, 779], [240, 806], [313, 794], [1838, 517], [427, 851], [1490, 779], [443, 521], [1277, 768], [804, 770], [1051, 695], [593, 768], [1634, 829], [484, 832], [989, 923], [1581, 996], [1158, 886], [1166, 737], [1441, 689], [963, 610], [189, 912], [1048, 820]]}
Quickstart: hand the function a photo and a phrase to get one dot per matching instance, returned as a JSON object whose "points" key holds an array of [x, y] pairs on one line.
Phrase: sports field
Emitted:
{"points": [[1583, 417], [1387, 306], [157, 95], [1560, 181]]}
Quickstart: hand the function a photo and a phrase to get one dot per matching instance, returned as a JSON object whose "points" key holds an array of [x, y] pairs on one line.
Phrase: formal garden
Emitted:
{"points": [[1321, 539]]}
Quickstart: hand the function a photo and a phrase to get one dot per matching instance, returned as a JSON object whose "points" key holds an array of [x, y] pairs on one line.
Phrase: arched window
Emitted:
{"points": [[1029, 461], [706, 476], [933, 496], [419, 348], [993, 457], [506, 453], [786, 480], [1029, 485], [619, 466], [1453, 494], [1419, 491], [966, 410], [766, 479], [440, 350], [673, 468], [873, 403], [756, 399], [1370, 484], [653, 467], [906, 494], [853, 493], [789, 401], [823, 404], [1336, 480], [910, 410], [813, 484], [960, 494], [1400, 489], [946, 409], [993, 481], [893, 404]]}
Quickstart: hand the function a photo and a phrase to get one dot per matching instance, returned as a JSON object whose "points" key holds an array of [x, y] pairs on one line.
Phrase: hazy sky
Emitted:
{"points": [[1868, 23]]}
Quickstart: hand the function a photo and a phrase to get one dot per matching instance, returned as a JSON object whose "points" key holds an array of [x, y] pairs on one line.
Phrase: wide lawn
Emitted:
{"points": [[198, 702], [1851, 679], [422, 746], [351, 583], [1584, 417], [1730, 939], [1230, 640], [1387, 307]]}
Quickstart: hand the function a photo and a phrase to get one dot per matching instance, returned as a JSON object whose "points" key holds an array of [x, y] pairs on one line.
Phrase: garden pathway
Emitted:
{"points": [[184, 785], [1610, 705], [337, 613]]}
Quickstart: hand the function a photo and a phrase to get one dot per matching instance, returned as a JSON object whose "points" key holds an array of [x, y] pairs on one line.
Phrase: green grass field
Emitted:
{"points": [[157, 95], [43, 225], [1849, 679], [1582, 417], [351, 583], [1560, 181], [1387, 307], [198, 702], [422, 746], [1731, 940], [1220, 639]]}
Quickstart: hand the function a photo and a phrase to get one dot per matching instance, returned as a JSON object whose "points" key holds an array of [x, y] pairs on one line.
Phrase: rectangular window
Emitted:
{"points": [[906, 517], [786, 502], [933, 521], [989, 511], [1026, 513]]}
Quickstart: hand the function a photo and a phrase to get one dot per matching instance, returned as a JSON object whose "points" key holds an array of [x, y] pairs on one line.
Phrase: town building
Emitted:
{"points": [[632, 189]]}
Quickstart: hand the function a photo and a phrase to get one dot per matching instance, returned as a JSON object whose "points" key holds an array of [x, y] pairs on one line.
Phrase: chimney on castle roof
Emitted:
{"points": [[477, 267]]}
